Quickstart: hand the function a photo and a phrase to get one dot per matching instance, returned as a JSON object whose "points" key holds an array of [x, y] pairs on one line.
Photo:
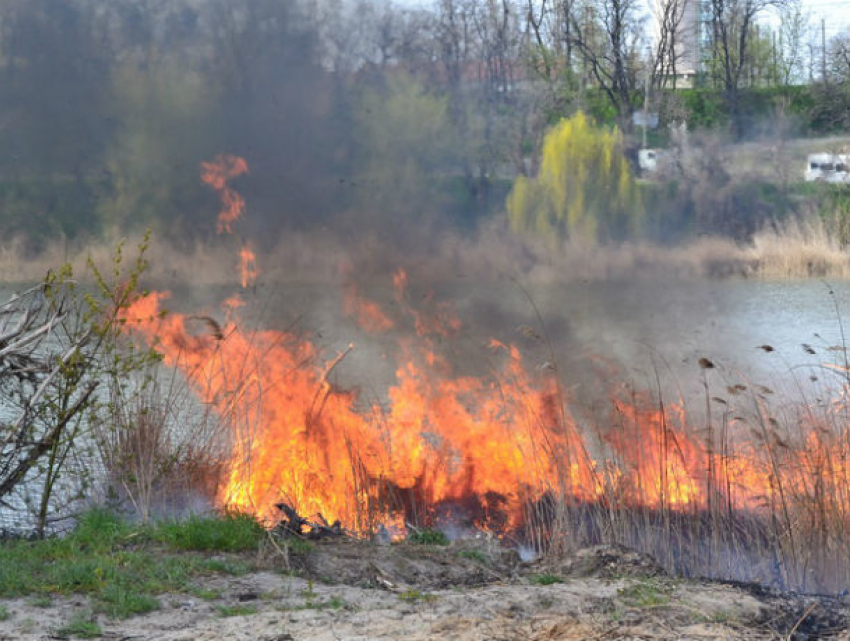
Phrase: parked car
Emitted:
{"points": [[830, 168]]}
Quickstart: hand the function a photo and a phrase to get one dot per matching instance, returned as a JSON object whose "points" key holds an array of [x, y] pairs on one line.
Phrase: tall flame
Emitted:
{"points": [[216, 174], [496, 444]]}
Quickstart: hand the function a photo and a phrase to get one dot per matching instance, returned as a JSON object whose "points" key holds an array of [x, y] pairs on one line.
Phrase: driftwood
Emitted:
{"points": [[293, 524]]}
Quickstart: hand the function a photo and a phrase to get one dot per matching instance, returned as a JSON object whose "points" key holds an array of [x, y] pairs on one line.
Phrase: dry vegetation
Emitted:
{"points": [[797, 248]]}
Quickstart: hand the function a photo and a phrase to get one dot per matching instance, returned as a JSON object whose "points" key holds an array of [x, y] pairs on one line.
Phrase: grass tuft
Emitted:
{"points": [[236, 610], [231, 532], [415, 596], [474, 555], [81, 627], [546, 579], [428, 536], [645, 594]]}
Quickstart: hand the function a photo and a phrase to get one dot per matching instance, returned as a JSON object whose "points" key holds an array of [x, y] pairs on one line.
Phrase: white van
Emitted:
{"points": [[831, 168], [653, 161]]}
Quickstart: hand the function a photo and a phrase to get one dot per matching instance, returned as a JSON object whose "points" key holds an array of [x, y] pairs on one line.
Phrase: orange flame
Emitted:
{"points": [[368, 314], [248, 266], [497, 443], [216, 174]]}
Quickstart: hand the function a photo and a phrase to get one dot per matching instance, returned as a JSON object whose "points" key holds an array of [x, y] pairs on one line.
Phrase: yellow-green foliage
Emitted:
{"points": [[584, 189]]}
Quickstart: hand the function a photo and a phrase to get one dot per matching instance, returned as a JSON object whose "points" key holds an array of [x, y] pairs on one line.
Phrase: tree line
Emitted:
{"points": [[359, 112]]}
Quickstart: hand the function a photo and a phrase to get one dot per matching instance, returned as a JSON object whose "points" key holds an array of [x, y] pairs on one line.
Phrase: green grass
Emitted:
{"points": [[5, 615], [203, 593], [299, 546], [428, 536], [122, 567], [415, 596], [82, 627], [236, 610], [233, 532], [646, 593], [334, 603], [546, 579], [474, 555], [42, 601]]}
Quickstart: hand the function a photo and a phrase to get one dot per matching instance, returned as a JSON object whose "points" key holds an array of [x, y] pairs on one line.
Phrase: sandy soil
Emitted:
{"points": [[605, 593]]}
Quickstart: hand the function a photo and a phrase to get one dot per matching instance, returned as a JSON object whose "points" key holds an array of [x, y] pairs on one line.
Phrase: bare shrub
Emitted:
{"points": [[161, 449], [57, 342]]}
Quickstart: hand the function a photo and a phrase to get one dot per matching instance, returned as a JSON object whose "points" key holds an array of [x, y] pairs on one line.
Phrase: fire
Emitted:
{"points": [[216, 174], [300, 439], [492, 445], [368, 314], [248, 266]]}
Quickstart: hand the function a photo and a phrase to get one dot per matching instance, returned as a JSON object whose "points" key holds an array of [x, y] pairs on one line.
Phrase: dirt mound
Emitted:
{"points": [[401, 566], [605, 562]]}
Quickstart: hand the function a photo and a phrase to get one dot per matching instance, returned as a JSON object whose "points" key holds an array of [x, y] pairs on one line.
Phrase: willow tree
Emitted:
{"points": [[584, 189]]}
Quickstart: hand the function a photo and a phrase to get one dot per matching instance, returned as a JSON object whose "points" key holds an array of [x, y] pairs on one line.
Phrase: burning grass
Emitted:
{"points": [[750, 489], [753, 487]]}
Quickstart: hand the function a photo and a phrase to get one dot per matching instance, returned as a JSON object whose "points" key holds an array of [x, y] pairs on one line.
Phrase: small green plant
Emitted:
{"points": [[546, 579], [42, 601], [299, 546], [123, 601], [81, 626], [309, 593], [231, 532], [644, 594], [428, 536], [5, 615], [474, 555], [236, 610], [233, 567], [415, 596], [205, 594]]}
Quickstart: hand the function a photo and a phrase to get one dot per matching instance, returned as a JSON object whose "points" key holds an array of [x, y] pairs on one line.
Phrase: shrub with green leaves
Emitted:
{"points": [[428, 536]]}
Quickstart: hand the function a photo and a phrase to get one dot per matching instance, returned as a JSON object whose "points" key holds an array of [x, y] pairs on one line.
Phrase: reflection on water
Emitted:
{"points": [[639, 325], [726, 321]]}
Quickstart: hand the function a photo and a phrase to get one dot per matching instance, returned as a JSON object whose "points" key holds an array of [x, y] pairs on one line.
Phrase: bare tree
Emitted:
{"points": [[669, 20], [793, 25], [732, 30], [607, 34], [839, 56]]}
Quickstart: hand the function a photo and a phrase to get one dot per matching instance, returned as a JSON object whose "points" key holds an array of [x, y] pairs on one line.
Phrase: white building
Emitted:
{"points": [[684, 20]]}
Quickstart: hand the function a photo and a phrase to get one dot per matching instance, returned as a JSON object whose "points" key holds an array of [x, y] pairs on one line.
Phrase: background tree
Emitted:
{"points": [[405, 142], [584, 190], [732, 33]]}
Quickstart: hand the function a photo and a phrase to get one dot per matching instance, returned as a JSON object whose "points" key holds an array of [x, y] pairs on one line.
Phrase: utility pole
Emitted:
{"points": [[823, 50], [646, 94]]}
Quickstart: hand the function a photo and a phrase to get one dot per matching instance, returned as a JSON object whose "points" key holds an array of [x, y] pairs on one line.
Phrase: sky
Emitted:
{"points": [[834, 13]]}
